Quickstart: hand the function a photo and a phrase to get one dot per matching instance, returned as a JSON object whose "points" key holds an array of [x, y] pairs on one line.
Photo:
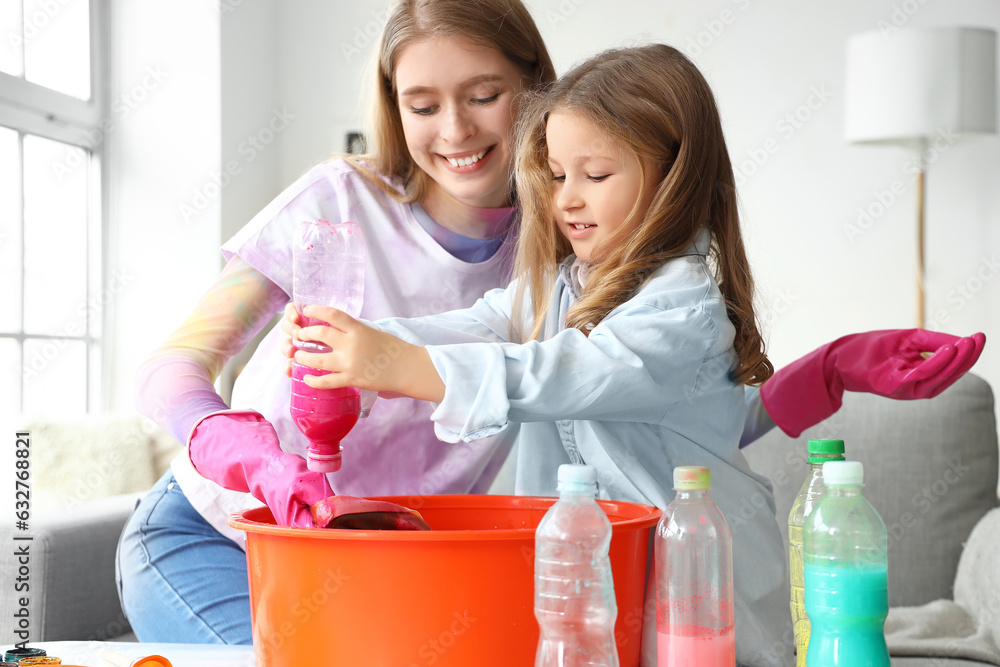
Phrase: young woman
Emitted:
{"points": [[436, 206]]}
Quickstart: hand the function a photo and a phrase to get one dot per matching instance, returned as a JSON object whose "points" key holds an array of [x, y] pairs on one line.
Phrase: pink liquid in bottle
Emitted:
{"points": [[328, 270], [689, 646], [694, 577], [324, 416]]}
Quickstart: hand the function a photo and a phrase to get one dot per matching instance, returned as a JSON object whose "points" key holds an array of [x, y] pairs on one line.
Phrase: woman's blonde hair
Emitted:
{"points": [[504, 25], [654, 101]]}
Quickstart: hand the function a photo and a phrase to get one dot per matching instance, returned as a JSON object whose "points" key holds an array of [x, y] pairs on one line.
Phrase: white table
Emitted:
{"points": [[100, 654]]}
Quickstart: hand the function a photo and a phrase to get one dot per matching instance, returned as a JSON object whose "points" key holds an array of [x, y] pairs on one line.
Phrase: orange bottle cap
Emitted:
{"points": [[151, 661]]}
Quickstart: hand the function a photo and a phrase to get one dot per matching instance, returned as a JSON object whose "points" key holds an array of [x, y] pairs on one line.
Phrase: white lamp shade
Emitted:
{"points": [[907, 86]]}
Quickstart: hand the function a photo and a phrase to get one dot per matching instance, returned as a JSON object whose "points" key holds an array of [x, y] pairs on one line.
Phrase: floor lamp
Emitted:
{"points": [[920, 88]]}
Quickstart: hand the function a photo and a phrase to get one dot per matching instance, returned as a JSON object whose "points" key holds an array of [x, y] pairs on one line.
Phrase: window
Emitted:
{"points": [[52, 229]]}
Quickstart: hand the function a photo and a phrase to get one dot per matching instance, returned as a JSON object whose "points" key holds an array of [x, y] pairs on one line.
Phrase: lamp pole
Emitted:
{"points": [[921, 175], [904, 88]]}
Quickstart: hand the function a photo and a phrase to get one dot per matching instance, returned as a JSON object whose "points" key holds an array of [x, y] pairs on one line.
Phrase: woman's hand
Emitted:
{"points": [[364, 357]]}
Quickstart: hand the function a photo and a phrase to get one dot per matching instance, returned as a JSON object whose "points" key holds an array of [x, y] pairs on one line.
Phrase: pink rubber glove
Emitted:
{"points": [[888, 363], [240, 451]]}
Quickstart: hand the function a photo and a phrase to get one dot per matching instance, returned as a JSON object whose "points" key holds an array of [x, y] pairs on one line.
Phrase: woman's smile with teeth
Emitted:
{"points": [[466, 161], [580, 225]]}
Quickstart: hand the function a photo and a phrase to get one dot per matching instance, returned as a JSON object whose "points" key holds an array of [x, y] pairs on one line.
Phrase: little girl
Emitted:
{"points": [[629, 333]]}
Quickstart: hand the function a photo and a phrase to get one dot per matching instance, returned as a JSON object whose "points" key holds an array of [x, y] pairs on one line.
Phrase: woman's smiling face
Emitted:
{"points": [[456, 101]]}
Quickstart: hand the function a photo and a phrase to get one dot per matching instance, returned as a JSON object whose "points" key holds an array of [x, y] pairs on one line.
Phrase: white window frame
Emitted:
{"points": [[29, 108]]}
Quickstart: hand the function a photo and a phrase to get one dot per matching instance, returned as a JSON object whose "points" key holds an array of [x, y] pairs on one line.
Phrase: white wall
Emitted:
{"points": [[326, 48], [252, 111], [163, 152], [768, 61]]}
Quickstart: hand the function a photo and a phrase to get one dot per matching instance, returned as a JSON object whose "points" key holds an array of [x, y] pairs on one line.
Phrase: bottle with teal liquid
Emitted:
{"points": [[846, 574]]}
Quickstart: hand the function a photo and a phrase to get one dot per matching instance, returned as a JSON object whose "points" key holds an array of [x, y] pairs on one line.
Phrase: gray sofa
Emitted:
{"points": [[72, 592], [931, 472], [87, 473]]}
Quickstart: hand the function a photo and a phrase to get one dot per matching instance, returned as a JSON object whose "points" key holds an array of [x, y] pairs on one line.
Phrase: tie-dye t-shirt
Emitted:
{"points": [[408, 274]]}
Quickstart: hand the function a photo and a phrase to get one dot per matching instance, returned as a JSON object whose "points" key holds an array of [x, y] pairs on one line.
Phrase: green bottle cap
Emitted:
{"points": [[821, 451], [691, 478]]}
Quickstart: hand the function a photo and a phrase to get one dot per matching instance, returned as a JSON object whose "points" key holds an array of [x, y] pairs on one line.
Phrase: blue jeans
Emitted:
{"points": [[179, 579]]}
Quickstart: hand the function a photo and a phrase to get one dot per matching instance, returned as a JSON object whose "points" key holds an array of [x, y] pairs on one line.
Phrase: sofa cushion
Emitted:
{"points": [[95, 456], [977, 583], [930, 471]]}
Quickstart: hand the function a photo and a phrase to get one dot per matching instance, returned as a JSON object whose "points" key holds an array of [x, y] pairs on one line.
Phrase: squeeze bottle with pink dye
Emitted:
{"points": [[694, 577], [328, 269]]}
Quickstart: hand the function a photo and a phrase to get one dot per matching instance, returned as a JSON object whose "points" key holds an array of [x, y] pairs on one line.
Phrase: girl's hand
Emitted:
{"points": [[366, 358], [290, 324]]}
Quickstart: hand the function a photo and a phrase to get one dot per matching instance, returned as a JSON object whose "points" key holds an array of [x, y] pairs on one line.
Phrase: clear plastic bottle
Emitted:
{"points": [[694, 577], [328, 268], [812, 491], [574, 594], [846, 574]]}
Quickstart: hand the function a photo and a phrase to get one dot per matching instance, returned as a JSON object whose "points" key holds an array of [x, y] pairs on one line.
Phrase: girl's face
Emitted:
{"points": [[596, 182], [456, 100]]}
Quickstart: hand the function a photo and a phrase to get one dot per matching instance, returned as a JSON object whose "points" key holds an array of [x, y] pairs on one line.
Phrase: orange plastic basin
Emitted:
{"points": [[460, 595]]}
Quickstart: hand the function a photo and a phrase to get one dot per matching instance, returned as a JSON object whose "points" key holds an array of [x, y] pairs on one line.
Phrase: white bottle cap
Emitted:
{"points": [[577, 474], [692, 478], [843, 473]]}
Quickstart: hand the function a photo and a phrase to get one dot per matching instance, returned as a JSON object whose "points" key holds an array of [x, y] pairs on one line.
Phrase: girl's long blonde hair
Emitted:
{"points": [[504, 25], [653, 100]]}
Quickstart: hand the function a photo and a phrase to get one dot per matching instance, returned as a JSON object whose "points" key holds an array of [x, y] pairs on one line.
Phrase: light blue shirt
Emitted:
{"points": [[649, 389]]}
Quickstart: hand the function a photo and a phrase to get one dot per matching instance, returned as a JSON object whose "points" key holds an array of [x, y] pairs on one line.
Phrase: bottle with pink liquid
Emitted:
{"points": [[328, 268], [694, 577]]}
